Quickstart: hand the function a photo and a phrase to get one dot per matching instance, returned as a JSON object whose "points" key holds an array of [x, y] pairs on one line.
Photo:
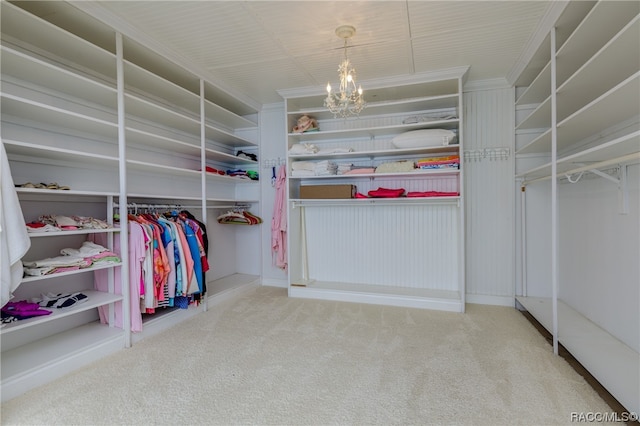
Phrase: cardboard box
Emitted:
{"points": [[327, 191]]}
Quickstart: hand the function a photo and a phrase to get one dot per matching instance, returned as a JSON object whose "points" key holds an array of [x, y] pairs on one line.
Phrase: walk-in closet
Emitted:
{"points": [[161, 159]]}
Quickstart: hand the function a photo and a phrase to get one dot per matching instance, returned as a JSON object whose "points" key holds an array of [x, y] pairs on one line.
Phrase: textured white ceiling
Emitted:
{"points": [[259, 47]]}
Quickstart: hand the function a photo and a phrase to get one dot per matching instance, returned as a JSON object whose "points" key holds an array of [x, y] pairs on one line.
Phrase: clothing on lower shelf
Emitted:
{"points": [[417, 194], [396, 167], [23, 309], [87, 255], [61, 300], [386, 193], [446, 162]]}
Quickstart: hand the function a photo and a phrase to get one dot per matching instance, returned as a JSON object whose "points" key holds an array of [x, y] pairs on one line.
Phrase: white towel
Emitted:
{"points": [[14, 239], [303, 165]]}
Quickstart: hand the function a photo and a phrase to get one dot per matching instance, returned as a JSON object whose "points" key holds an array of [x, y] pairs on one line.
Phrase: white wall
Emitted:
{"points": [[599, 254], [489, 195], [272, 149]]}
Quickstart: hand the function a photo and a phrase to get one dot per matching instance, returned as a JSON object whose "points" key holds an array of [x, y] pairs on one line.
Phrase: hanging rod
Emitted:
{"points": [[181, 206]]}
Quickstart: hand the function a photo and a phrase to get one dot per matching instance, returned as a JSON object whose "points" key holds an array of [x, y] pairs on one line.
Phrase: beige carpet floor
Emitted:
{"points": [[264, 358]]}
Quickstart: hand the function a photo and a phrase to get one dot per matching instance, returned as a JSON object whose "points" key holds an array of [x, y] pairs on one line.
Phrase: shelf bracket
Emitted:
{"points": [[620, 181]]}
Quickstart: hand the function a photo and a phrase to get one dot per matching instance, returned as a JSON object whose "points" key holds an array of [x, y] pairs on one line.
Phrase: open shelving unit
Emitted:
{"points": [[591, 81], [90, 106], [332, 243]]}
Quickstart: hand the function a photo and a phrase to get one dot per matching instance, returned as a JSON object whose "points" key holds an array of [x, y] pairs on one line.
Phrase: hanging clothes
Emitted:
{"points": [[279, 221]]}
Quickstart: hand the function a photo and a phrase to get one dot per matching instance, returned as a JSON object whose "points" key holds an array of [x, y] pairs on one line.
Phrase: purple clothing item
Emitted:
{"points": [[23, 310]]}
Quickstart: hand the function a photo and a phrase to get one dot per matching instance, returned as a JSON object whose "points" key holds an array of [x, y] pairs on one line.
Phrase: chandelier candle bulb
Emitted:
{"points": [[349, 101]]}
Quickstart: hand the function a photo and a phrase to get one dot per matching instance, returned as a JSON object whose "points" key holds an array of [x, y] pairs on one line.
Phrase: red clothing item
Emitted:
{"points": [[432, 194], [386, 193]]}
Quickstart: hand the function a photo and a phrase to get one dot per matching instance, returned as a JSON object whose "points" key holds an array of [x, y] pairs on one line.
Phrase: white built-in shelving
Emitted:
{"points": [[580, 114], [87, 105], [334, 259]]}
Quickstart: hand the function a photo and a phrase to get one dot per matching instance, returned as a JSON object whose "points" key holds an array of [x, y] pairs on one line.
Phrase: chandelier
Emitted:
{"points": [[349, 101]]}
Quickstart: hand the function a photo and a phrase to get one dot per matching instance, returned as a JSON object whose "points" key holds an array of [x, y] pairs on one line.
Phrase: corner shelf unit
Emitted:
{"points": [[332, 243], [87, 105], [591, 80]]}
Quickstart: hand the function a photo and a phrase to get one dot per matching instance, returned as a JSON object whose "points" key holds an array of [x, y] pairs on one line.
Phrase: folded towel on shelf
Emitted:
{"points": [[326, 167], [360, 171], [396, 167], [302, 173], [303, 148], [303, 165]]}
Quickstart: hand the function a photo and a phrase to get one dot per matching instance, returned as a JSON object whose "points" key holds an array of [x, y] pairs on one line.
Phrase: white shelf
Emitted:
{"points": [[73, 232], [95, 299], [92, 268], [162, 169], [223, 137], [44, 114], [149, 85], [27, 149], [222, 157], [591, 35], [138, 137], [159, 115], [385, 107], [71, 193], [597, 75], [539, 90], [372, 131], [616, 148], [44, 360], [36, 72], [45, 38], [618, 104], [610, 361], [421, 174], [416, 201], [226, 117], [379, 294], [540, 118], [453, 148]]}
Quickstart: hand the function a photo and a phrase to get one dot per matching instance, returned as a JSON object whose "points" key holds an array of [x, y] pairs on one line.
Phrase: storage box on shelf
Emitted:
{"points": [[596, 59], [333, 242]]}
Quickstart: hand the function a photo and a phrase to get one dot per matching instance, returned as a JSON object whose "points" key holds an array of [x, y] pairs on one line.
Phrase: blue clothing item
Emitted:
{"points": [[192, 240]]}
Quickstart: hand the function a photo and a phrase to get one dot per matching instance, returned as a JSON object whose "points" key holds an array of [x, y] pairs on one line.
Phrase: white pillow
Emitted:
{"points": [[424, 137]]}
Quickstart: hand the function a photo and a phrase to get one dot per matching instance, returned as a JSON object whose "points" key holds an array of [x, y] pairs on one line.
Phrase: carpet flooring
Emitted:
{"points": [[264, 358]]}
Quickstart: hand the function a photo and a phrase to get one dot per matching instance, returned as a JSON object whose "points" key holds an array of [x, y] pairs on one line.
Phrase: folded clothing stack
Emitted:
{"points": [[313, 168], [396, 167], [447, 162], [72, 259], [303, 148], [54, 223], [326, 168]]}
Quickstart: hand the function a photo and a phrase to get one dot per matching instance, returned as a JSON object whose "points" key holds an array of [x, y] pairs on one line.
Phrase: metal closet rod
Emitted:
{"points": [[181, 206]]}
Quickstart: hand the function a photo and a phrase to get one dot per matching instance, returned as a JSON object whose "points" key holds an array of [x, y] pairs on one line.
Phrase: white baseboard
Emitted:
{"points": [[482, 299], [274, 282]]}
